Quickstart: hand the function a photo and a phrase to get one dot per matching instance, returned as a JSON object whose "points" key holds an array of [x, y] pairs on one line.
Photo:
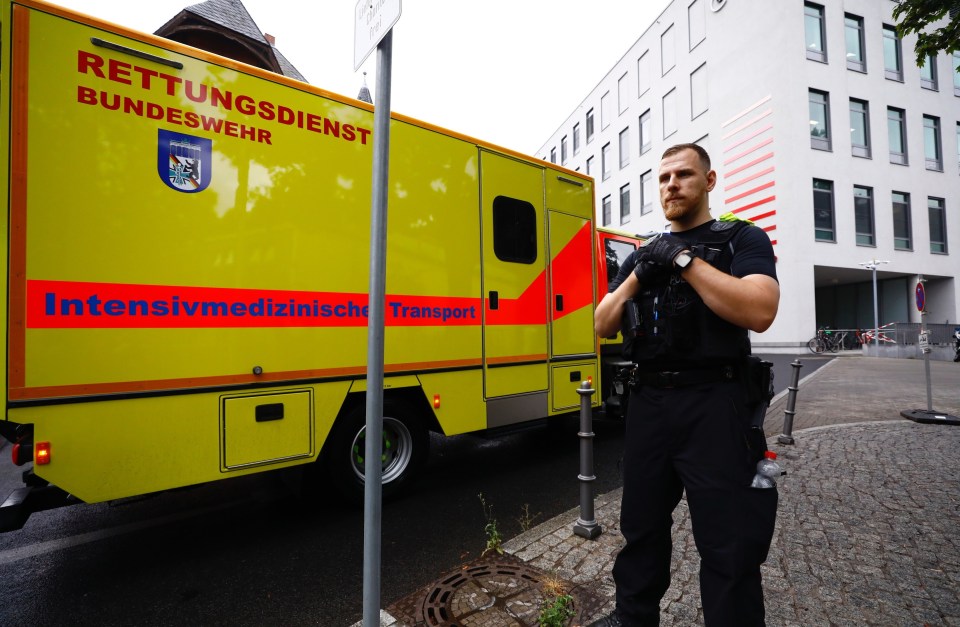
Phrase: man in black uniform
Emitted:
{"points": [[692, 419]]}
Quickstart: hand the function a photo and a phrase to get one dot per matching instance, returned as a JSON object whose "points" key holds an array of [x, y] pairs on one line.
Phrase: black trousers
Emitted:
{"points": [[692, 438]]}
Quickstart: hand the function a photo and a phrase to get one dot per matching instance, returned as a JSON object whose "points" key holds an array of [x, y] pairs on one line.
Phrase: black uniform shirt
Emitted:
{"points": [[752, 253]]}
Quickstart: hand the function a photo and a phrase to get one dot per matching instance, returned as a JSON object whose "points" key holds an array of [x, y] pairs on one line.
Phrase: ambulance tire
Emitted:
{"points": [[405, 447]]}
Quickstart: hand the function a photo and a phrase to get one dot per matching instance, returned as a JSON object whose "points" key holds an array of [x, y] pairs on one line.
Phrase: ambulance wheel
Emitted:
{"points": [[404, 449]]}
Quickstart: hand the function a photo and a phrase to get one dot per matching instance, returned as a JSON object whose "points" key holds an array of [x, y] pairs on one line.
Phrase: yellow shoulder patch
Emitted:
{"points": [[729, 217]]}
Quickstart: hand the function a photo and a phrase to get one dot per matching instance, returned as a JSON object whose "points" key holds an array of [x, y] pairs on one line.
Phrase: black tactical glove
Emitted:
{"points": [[663, 250], [650, 274]]}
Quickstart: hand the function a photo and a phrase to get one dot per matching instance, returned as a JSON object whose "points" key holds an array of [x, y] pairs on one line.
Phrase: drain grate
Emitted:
{"points": [[495, 592]]}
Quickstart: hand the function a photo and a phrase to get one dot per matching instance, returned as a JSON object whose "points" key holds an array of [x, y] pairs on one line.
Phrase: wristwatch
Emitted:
{"points": [[682, 260]]}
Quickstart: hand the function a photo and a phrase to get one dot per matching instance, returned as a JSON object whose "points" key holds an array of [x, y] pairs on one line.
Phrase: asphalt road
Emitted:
{"points": [[251, 551]]}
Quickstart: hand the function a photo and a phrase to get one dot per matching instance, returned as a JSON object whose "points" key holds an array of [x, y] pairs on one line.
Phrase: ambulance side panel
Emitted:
{"points": [[189, 256]]}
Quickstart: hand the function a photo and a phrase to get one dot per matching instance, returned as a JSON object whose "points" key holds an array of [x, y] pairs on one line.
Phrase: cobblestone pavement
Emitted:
{"points": [[866, 525]]}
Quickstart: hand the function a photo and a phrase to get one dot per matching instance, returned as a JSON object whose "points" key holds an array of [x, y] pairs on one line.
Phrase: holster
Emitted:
{"points": [[758, 382], [631, 320]]}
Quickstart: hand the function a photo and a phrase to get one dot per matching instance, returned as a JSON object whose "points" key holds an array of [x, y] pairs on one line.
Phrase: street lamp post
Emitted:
{"points": [[872, 265]]}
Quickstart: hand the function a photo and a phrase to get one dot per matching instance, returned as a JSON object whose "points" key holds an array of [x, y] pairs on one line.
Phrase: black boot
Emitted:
{"points": [[610, 620]]}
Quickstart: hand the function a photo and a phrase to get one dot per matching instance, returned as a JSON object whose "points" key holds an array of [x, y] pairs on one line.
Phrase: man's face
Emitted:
{"points": [[684, 185]]}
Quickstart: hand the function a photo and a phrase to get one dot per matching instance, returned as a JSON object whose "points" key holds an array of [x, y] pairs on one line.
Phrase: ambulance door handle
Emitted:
{"points": [[559, 306], [268, 412], [494, 301]]}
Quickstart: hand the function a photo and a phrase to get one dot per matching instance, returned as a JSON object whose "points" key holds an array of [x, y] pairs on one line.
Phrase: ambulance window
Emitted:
{"points": [[514, 230], [616, 252]]}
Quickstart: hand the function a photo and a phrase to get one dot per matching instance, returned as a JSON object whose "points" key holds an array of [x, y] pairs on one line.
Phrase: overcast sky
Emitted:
{"points": [[506, 71]]}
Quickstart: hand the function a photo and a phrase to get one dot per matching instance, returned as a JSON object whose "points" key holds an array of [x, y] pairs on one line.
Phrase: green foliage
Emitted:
{"points": [[494, 539], [913, 16], [557, 612]]}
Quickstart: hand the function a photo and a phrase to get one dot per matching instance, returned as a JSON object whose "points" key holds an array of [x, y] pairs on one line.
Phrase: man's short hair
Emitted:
{"points": [[704, 157]]}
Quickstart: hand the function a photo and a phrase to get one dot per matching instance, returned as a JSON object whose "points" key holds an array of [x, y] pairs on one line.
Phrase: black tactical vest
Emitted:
{"points": [[676, 326]]}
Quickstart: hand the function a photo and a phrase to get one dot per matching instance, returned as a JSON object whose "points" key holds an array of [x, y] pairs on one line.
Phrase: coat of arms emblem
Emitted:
{"points": [[183, 161]]}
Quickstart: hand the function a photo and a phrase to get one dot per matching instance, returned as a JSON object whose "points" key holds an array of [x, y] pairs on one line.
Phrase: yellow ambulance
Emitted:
{"points": [[187, 250]]}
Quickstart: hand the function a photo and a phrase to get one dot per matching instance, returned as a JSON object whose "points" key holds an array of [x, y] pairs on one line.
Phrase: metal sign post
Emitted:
{"points": [[924, 342], [374, 21], [928, 415], [872, 265]]}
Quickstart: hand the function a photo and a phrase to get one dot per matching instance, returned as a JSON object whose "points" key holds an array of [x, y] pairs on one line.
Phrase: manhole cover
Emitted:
{"points": [[493, 592]]}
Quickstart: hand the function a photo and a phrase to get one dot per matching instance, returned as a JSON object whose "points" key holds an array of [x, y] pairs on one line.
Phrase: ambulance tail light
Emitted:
{"points": [[590, 380], [436, 401], [42, 453], [21, 453]]}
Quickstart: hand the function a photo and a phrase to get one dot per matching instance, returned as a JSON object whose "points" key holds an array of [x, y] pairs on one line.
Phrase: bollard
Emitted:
{"points": [[789, 412], [586, 526]]}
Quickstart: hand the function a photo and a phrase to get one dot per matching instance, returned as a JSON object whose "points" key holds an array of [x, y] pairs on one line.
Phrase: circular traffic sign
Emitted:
{"points": [[921, 297]]}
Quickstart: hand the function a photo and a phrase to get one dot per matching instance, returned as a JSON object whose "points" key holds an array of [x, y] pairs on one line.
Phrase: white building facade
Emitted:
{"points": [[822, 130]]}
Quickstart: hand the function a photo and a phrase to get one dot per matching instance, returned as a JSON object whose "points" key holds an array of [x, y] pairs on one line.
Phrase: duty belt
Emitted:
{"points": [[681, 378]]}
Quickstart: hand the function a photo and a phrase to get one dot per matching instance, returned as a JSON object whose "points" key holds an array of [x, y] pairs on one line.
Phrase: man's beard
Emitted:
{"points": [[676, 209]]}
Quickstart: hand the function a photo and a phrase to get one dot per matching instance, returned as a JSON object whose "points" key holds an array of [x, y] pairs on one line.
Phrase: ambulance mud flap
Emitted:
{"points": [[24, 501]]}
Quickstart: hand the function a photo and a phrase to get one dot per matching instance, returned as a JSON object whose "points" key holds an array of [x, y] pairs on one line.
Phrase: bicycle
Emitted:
{"points": [[817, 343], [825, 341]]}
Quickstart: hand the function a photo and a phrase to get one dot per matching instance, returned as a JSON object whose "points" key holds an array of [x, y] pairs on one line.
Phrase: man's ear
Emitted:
{"points": [[711, 180]]}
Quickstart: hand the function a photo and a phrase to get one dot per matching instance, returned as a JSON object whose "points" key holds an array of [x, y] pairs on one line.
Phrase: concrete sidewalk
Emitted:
{"points": [[866, 525]]}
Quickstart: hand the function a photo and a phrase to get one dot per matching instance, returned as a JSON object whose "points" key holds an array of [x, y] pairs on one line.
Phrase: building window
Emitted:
{"points": [[892, 54], [646, 192], [698, 91], [607, 211], [590, 166], [605, 161], [863, 215], [576, 138], [928, 74], [860, 128], [643, 74], [936, 209], [819, 120], [697, 23], [814, 31], [823, 211], [624, 147], [553, 155], [605, 111], [514, 230], [589, 126], [670, 113], [901, 221], [563, 150], [853, 32], [625, 204], [623, 93], [931, 143], [956, 73], [897, 135], [646, 132], [668, 53]]}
